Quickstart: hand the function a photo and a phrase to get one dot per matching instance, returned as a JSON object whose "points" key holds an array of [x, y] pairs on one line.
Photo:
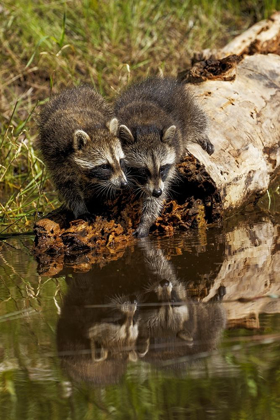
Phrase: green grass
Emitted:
{"points": [[47, 45]]}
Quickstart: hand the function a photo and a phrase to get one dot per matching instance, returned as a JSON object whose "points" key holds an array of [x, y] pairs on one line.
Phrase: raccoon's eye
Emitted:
{"points": [[105, 166], [103, 171], [142, 172], [164, 171], [139, 174]]}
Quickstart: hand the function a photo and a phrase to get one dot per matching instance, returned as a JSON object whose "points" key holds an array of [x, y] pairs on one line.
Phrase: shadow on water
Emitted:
{"points": [[180, 327]]}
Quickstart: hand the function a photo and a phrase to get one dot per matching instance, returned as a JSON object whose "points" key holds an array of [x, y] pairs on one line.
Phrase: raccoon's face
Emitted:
{"points": [[100, 159], [167, 309], [116, 333], [150, 157], [166, 291]]}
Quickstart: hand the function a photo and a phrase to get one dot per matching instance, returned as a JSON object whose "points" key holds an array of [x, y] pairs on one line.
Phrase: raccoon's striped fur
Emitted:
{"points": [[157, 119], [84, 157]]}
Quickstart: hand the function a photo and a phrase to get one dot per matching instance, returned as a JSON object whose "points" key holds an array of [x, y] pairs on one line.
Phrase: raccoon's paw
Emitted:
{"points": [[141, 232], [206, 145]]}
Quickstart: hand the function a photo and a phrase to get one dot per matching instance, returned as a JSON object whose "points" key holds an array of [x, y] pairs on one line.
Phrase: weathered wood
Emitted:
{"points": [[241, 95], [263, 37], [244, 128]]}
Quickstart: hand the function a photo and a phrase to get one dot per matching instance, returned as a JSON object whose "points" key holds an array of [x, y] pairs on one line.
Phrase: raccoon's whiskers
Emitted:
{"points": [[100, 189], [148, 286], [139, 189], [170, 193], [110, 192]]}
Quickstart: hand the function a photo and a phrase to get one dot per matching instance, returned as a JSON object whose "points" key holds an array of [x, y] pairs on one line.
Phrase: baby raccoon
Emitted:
{"points": [[84, 157], [157, 119]]}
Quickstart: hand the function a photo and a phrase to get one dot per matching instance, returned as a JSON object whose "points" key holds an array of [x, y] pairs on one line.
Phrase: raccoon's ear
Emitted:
{"points": [[186, 336], [98, 354], [113, 126], [143, 346], [169, 134], [80, 139], [132, 356], [125, 134]]}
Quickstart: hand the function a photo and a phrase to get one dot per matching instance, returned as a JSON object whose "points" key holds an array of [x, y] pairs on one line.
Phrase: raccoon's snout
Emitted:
{"points": [[157, 192], [120, 182], [123, 183], [164, 283]]}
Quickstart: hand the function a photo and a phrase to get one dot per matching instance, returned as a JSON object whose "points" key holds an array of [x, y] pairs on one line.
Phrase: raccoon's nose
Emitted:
{"points": [[133, 299], [123, 183], [157, 192], [164, 283]]}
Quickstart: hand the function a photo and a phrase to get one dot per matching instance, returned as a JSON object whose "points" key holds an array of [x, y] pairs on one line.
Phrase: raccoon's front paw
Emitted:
{"points": [[141, 232], [207, 145]]}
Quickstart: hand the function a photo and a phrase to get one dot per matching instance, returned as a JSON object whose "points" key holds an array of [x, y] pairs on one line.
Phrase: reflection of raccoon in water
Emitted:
{"points": [[157, 118], [95, 343], [117, 335], [84, 158], [174, 325]]}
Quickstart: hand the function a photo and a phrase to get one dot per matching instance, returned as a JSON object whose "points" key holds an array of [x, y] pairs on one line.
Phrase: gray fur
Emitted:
{"points": [[158, 118], [75, 138]]}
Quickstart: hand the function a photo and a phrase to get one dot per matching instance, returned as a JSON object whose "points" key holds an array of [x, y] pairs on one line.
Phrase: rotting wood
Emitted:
{"points": [[263, 38], [241, 96]]}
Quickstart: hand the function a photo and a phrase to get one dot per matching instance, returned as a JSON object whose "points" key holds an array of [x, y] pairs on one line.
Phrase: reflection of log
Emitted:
{"points": [[250, 274], [241, 95]]}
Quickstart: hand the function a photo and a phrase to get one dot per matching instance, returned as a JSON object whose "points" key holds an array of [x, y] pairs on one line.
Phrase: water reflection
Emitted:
{"points": [[139, 309], [101, 329], [250, 273], [189, 323]]}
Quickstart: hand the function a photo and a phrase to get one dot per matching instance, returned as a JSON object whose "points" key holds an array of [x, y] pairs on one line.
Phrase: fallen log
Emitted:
{"points": [[241, 96]]}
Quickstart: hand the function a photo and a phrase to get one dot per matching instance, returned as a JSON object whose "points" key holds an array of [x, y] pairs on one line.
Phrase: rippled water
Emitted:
{"points": [[181, 327]]}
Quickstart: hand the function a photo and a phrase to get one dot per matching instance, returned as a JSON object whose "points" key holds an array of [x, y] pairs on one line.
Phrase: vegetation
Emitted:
{"points": [[47, 45]]}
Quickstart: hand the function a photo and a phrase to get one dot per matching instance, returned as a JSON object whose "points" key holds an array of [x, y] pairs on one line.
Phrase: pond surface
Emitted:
{"points": [[186, 327]]}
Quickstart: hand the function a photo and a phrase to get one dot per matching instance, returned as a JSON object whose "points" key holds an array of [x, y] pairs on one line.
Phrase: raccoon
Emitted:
{"points": [[172, 324], [157, 119], [115, 336], [85, 159], [96, 340], [165, 296]]}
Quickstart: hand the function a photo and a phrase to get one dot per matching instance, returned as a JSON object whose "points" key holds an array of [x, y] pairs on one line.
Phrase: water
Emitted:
{"points": [[186, 327]]}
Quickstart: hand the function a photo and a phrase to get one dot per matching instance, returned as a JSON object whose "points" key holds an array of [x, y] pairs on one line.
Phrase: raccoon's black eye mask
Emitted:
{"points": [[103, 172], [163, 170], [141, 174]]}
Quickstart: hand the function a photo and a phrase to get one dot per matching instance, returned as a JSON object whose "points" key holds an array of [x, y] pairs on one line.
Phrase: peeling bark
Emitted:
{"points": [[244, 128]]}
